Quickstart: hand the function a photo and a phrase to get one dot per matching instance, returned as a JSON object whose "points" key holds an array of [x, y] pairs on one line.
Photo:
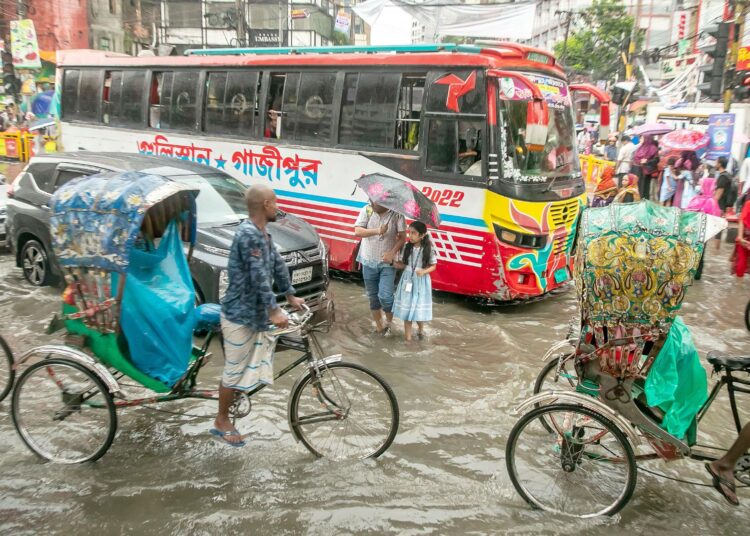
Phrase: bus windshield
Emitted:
{"points": [[559, 156]]}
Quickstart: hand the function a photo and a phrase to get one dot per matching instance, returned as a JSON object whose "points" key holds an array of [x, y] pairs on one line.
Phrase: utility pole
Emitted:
{"points": [[633, 41], [21, 9], [239, 6], [281, 23]]}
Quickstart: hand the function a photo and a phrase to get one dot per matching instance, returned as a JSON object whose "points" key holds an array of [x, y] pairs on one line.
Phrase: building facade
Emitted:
{"points": [[188, 24]]}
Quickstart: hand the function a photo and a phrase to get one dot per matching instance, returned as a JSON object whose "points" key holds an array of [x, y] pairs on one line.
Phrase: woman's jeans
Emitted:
{"points": [[379, 284]]}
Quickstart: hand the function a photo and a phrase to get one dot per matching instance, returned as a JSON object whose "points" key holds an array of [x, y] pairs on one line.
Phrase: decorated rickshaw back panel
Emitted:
{"points": [[634, 263]]}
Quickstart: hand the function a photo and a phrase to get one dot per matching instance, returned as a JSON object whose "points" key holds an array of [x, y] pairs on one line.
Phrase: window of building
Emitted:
{"points": [[182, 14], [70, 93], [231, 105], [368, 109], [454, 146]]}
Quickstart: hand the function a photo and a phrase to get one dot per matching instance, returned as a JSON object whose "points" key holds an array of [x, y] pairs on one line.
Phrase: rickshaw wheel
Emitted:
{"points": [[7, 371], [344, 411], [585, 468], [565, 381], [63, 412]]}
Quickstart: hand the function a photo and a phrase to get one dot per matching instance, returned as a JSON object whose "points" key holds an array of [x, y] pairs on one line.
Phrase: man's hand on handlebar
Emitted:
{"points": [[279, 318], [296, 302]]}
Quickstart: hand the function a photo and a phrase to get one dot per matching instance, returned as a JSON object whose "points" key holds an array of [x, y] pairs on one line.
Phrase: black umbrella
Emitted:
{"points": [[400, 196]]}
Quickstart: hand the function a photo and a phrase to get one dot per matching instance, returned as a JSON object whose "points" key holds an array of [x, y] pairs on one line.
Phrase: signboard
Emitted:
{"points": [[299, 14], [343, 22], [743, 59], [266, 38], [680, 21], [555, 91], [720, 132], [689, 121], [673, 67], [23, 45]]}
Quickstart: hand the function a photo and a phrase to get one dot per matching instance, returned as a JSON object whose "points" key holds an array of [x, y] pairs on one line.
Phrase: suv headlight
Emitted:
{"points": [[323, 255], [223, 283]]}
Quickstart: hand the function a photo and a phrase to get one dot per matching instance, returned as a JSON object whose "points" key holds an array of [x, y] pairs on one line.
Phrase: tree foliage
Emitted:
{"points": [[340, 39], [598, 36]]}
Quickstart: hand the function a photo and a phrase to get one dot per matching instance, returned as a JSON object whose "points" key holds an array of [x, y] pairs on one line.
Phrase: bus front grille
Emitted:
{"points": [[564, 213]]}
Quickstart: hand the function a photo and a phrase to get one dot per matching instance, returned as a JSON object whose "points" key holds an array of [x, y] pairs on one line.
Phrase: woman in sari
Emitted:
{"points": [[605, 189], [629, 190], [742, 245], [645, 162]]}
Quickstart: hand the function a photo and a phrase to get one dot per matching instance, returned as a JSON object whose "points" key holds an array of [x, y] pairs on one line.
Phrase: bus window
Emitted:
{"points": [[173, 99], [368, 109], [231, 102], [70, 93], [314, 112], [409, 110], [89, 95], [279, 97], [111, 93], [131, 107], [455, 146], [155, 99]]}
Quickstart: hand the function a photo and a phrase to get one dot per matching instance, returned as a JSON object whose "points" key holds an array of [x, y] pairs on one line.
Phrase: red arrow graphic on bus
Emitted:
{"points": [[457, 88]]}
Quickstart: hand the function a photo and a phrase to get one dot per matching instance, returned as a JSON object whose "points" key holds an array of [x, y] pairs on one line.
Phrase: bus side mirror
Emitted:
{"points": [[537, 125]]}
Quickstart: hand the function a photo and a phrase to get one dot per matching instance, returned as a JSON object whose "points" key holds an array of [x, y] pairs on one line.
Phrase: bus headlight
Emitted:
{"points": [[223, 283], [521, 240]]}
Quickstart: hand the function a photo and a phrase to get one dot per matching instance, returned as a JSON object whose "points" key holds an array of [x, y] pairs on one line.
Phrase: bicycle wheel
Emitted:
{"points": [[747, 316], [344, 411], [586, 468], [63, 412], [550, 380], [7, 372]]}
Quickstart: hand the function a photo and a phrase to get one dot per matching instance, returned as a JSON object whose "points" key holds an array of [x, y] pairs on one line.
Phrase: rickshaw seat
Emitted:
{"points": [[207, 316], [727, 362]]}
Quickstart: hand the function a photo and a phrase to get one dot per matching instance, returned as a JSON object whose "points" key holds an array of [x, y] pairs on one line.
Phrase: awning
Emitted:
{"points": [[638, 105], [48, 55]]}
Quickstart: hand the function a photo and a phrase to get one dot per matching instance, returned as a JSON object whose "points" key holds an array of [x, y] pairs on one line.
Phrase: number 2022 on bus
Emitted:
{"points": [[444, 198]]}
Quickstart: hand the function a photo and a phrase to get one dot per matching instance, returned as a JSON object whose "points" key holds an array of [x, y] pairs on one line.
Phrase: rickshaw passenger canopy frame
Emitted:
{"points": [[97, 220]]}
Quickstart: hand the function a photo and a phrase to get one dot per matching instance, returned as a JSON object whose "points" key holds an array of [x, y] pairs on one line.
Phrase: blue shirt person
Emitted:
{"points": [[249, 306]]}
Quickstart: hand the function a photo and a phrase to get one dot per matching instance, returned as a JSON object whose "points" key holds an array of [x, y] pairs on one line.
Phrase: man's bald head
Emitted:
{"points": [[261, 202]]}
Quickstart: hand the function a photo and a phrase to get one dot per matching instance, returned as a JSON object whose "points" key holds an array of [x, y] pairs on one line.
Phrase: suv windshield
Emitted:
{"points": [[559, 156], [221, 199]]}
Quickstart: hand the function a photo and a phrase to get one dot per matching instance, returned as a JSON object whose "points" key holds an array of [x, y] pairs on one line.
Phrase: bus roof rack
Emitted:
{"points": [[438, 47]]}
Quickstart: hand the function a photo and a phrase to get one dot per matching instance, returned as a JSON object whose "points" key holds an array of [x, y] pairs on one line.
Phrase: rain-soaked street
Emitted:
{"points": [[444, 474]]}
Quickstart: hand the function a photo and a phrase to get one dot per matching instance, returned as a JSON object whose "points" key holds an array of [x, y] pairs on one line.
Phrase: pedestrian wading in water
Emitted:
{"points": [[413, 300]]}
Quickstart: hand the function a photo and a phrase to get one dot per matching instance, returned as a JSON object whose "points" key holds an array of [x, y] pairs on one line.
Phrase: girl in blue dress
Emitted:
{"points": [[413, 300]]}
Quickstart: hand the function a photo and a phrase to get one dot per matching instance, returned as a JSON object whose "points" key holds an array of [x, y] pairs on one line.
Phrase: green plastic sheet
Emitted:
{"points": [[677, 382]]}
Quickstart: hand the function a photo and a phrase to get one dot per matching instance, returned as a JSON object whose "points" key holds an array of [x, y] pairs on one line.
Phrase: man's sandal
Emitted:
{"points": [[231, 433], [720, 483]]}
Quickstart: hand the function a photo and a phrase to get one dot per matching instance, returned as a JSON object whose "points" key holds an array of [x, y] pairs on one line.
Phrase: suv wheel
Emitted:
{"points": [[35, 264]]}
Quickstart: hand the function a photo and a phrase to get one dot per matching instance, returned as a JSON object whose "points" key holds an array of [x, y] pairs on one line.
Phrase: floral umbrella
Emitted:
{"points": [[654, 129], [684, 140], [400, 196]]}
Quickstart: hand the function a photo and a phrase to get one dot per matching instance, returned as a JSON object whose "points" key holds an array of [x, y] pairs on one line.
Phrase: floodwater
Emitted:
{"points": [[444, 474]]}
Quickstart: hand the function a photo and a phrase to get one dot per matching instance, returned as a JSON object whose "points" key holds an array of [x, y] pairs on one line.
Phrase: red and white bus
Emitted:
{"points": [[485, 131]]}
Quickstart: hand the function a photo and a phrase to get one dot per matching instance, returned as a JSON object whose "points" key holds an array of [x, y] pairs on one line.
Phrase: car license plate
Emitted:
{"points": [[303, 275], [561, 275]]}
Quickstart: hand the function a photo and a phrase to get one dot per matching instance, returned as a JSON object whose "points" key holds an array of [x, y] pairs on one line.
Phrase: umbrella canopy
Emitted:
{"points": [[400, 196], [41, 103], [654, 129], [684, 140]]}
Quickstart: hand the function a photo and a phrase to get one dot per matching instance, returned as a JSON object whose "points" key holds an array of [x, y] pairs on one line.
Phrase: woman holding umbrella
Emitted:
{"points": [[645, 161]]}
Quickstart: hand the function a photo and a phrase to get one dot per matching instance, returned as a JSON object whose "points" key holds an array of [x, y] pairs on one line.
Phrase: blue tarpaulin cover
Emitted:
{"points": [[158, 309]]}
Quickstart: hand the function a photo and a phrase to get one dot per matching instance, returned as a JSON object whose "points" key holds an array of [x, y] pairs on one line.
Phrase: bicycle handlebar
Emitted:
{"points": [[296, 321]]}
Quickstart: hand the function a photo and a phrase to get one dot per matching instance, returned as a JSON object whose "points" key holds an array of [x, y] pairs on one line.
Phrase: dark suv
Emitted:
{"points": [[221, 207]]}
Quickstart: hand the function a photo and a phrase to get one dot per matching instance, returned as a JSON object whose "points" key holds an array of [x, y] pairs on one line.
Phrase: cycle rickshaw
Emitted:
{"points": [[630, 386], [129, 314]]}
